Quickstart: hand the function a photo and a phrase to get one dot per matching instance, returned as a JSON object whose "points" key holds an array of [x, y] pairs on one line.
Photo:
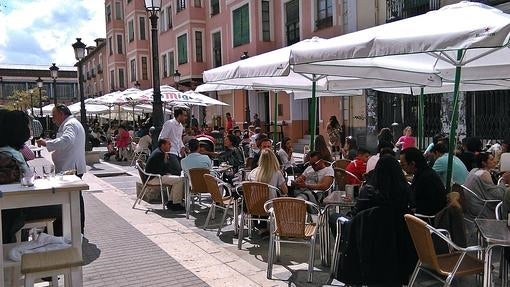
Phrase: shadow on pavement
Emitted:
{"points": [[90, 251]]}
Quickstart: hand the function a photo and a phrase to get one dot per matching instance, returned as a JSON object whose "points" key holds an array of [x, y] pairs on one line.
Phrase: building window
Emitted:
{"points": [[162, 18], [324, 14], [198, 46], [121, 79], [142, 29], [145, 75], [216, 39], [165, 67], [266, 24], [181, 5], [120, 49], [198, 3], [169, 17], [112, 80], [241, 22], [171, 62], [215, 7], [118, 10], [108, 13], [133, 70], [131, 31], [292, 22], [110, 45], [182, 45]]}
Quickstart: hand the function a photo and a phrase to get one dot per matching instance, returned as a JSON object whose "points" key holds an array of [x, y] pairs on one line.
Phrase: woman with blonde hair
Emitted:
{"points": [[268, 171]]}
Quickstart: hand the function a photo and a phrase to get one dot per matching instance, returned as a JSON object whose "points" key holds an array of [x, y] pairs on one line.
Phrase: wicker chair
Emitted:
{"points": [[226, 203], [457, 263], [255, 194], [288, 220], [339, 176], [195, 186], [146, 177]]}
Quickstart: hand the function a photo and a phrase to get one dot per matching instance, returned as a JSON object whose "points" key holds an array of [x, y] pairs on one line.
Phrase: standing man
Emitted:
{"points": [[68, 147], [172, 131]]}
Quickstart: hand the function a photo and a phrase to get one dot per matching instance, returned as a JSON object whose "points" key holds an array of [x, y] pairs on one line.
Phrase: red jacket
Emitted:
{"points": [[358, 168], [123, 139]]}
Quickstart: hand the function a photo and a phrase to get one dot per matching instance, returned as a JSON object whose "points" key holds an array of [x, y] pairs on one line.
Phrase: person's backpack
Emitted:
{"points": [[9, 169]]}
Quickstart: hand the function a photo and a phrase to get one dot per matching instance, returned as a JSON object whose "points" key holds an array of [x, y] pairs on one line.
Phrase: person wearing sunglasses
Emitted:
{"points": [[316, 179]]}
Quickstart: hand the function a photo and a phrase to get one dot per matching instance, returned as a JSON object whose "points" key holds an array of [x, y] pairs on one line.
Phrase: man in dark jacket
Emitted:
{"points": [[159, 163], [428, 194]]}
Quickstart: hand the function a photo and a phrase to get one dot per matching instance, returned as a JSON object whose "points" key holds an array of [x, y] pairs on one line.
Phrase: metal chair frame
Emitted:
{"points": [[190, 194], [232, 205], [462, 251], [477, 197], [150, 176], [275, 239], [246, 218]]}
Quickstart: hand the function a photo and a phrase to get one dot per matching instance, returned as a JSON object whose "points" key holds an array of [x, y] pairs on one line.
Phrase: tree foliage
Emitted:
{"points": [[20, 100]]}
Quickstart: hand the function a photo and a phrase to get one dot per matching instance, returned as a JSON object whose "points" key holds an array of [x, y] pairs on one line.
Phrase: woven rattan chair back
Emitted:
{"points": [[196, 177], [213, 188], [140, 166], [290, 217], [423, 243], [255, 194]]}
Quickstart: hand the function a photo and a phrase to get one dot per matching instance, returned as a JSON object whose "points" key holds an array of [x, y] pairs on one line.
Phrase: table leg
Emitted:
{"points": [[487, 278]]}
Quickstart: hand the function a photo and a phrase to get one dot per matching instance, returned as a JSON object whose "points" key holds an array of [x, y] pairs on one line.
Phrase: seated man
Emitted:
{"points": [[428, 194], [263, 142], [317, 177], [358, 166], [459, 170], [194, 159], [158, 163]]}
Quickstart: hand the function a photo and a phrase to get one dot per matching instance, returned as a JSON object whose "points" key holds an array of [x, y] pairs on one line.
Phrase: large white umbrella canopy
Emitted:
{"points": [[461, 42], [203, 99]]}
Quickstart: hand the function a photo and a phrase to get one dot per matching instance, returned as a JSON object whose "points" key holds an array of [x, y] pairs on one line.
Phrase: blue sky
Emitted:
{"points": [[42, 31]]}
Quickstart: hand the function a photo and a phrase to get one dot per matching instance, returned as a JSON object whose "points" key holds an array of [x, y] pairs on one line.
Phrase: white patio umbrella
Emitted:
{"points": [[203, 99], [465, 37], [273, 69]]}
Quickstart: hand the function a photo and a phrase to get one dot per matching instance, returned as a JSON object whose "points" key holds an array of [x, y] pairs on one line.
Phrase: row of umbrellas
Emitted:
{"points": [[460, 47]]}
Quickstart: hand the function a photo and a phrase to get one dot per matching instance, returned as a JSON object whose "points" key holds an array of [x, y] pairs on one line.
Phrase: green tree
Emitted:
{"points": [[20, 100]]}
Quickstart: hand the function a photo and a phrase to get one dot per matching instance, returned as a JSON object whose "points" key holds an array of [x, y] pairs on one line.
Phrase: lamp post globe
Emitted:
{"points": [[79, 54], [54, 75], [153, 7]]}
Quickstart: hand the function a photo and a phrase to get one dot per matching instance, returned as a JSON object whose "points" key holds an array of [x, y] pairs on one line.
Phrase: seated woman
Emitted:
{"points": [[145, 142], [14, 132], [285, 155], [479, 180], [233, 155], [268, 171], [322, 147], [122, 142], [386, 185]]}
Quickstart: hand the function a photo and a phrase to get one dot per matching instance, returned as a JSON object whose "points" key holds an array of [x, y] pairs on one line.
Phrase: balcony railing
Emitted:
{"points": [[401, 9], [324, 22], [99, 69], [93, 73]]}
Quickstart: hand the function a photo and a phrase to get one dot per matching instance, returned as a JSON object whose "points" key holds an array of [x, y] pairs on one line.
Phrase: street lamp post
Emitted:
{"points": [[153, 7], [31, 91], [79, 54], [54, 76], [245, 56], [177, 79], [39, 82]]}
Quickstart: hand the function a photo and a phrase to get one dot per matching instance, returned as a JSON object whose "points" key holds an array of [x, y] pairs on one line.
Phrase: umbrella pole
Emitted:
{"points": [[313, 115], [453, 126], [275, 132], [421, 120]]}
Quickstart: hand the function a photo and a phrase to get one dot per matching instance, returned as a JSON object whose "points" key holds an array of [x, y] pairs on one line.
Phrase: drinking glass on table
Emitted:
{"points": [[48, 171], [27, 176]]}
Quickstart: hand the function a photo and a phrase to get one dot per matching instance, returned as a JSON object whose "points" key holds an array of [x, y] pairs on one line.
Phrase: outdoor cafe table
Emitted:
{"points": [[58, 190], [495, 233]]}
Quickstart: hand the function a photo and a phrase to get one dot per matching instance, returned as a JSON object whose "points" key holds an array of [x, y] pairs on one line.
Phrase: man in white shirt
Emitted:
{"points": [[68, 147], [314, 180], [172, 130]]}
